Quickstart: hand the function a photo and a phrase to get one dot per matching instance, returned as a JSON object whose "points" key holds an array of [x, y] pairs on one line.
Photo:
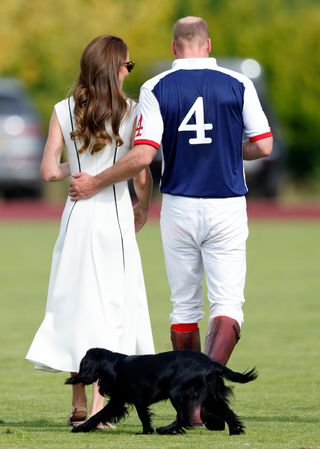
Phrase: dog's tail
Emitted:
{"points": [[242, 378]]}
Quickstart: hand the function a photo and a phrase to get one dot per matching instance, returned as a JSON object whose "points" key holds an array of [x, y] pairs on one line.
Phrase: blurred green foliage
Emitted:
{"points": [[41, 43]]}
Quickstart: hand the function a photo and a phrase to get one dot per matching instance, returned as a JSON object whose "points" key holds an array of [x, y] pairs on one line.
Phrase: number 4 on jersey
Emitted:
{"points": [[199, 126]]}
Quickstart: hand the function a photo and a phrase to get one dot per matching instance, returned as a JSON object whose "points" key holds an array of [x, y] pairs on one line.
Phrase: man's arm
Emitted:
{"points": [[84, 185], [257, 149], [143, 187]]}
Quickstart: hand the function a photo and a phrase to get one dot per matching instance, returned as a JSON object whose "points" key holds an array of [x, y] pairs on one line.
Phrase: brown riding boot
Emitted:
{"points": [[222, 336], [185, 340], [187, 337]]}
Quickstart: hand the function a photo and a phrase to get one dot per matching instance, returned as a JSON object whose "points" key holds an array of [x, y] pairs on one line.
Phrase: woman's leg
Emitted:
{"points": [[79, 404], [97, 400], [97, 405]]}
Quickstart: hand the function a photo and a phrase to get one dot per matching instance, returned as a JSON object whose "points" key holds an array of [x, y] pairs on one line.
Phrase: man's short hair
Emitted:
{"points": [[189, 30]]}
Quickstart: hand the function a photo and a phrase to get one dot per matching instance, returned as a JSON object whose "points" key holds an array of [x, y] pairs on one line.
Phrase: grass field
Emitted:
{"points": [[280, 336]]}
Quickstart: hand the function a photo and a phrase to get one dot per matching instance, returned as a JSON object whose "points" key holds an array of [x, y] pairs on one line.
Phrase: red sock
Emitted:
{"points": [[185, 327]]}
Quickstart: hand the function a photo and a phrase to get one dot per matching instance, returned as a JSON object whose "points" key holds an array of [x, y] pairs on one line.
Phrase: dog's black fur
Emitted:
{"points": [[188, 378]]}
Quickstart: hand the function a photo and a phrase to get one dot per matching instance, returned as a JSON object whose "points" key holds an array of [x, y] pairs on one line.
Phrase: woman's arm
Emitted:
{"points": [[51, 168]]}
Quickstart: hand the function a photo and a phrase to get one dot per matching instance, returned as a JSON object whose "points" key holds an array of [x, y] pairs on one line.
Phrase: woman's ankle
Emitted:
{"points": [[79, 397], [95, 408]]}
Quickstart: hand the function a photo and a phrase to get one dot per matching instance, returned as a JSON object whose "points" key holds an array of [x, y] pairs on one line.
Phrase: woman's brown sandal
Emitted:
{"points": [[78, 416]]}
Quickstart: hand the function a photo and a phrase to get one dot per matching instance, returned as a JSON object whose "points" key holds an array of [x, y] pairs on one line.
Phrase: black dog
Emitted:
{"points": [[188, 378]]}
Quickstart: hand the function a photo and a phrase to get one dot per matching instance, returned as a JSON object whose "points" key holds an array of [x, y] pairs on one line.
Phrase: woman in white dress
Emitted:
{"points": [[96, 295]]}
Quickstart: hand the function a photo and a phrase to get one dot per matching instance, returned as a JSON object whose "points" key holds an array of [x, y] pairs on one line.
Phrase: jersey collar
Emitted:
{"points": [[194, 63]]}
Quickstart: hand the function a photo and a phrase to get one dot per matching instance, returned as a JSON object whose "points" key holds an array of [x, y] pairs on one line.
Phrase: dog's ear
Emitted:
{"points": [[88, 372], [73, 380], [105, 384]]}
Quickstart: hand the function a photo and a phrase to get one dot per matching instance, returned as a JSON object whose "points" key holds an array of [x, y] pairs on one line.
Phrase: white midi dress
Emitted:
{"points": [[96, 295]]}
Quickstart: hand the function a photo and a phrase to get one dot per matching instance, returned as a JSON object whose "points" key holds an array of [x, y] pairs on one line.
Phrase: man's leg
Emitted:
{"points": [[222, 336], [184, 269], [179, 228], [224, 258], [185, 336]]}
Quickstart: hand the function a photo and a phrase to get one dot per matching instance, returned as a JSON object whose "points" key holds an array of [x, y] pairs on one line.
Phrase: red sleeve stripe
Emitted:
{"points": [[147, 142], [260, 136]]}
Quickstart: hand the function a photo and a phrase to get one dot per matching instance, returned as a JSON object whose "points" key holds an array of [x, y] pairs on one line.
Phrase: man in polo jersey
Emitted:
{"points": [[197, 113]]}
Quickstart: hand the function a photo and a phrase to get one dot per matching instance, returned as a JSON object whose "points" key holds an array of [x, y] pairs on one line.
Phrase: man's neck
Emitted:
{"points": [[192, 50], [189, 53]]}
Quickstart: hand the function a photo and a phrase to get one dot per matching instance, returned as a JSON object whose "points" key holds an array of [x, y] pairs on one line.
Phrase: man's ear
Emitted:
{"points": [[209, 45], [174, 50]]}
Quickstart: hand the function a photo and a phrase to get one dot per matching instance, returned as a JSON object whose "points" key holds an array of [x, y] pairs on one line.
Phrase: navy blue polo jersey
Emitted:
{"points": [[197, 113]]}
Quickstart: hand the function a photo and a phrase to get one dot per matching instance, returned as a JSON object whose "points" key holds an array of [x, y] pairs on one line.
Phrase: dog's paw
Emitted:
{"points": [[239, 430], [179, 431], [170, 430], [148, 431], [81, 428], [163, 431], [215, 423]]}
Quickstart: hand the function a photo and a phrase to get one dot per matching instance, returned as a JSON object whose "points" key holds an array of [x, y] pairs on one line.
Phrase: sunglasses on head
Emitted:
{"points": [[129, 65]]}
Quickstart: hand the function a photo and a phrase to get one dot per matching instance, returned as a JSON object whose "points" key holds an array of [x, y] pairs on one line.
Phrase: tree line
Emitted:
{"points": [[41, 43]]}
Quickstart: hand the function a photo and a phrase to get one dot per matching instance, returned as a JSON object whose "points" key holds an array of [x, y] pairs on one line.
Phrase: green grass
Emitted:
{"points": [[280, 336]]}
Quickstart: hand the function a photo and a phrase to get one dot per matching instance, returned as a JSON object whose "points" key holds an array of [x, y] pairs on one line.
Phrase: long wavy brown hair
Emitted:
{"points": [[98, 95]]}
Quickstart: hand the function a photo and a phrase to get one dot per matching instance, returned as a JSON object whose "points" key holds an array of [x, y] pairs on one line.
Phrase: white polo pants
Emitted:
{"points": [[205, 236]]}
